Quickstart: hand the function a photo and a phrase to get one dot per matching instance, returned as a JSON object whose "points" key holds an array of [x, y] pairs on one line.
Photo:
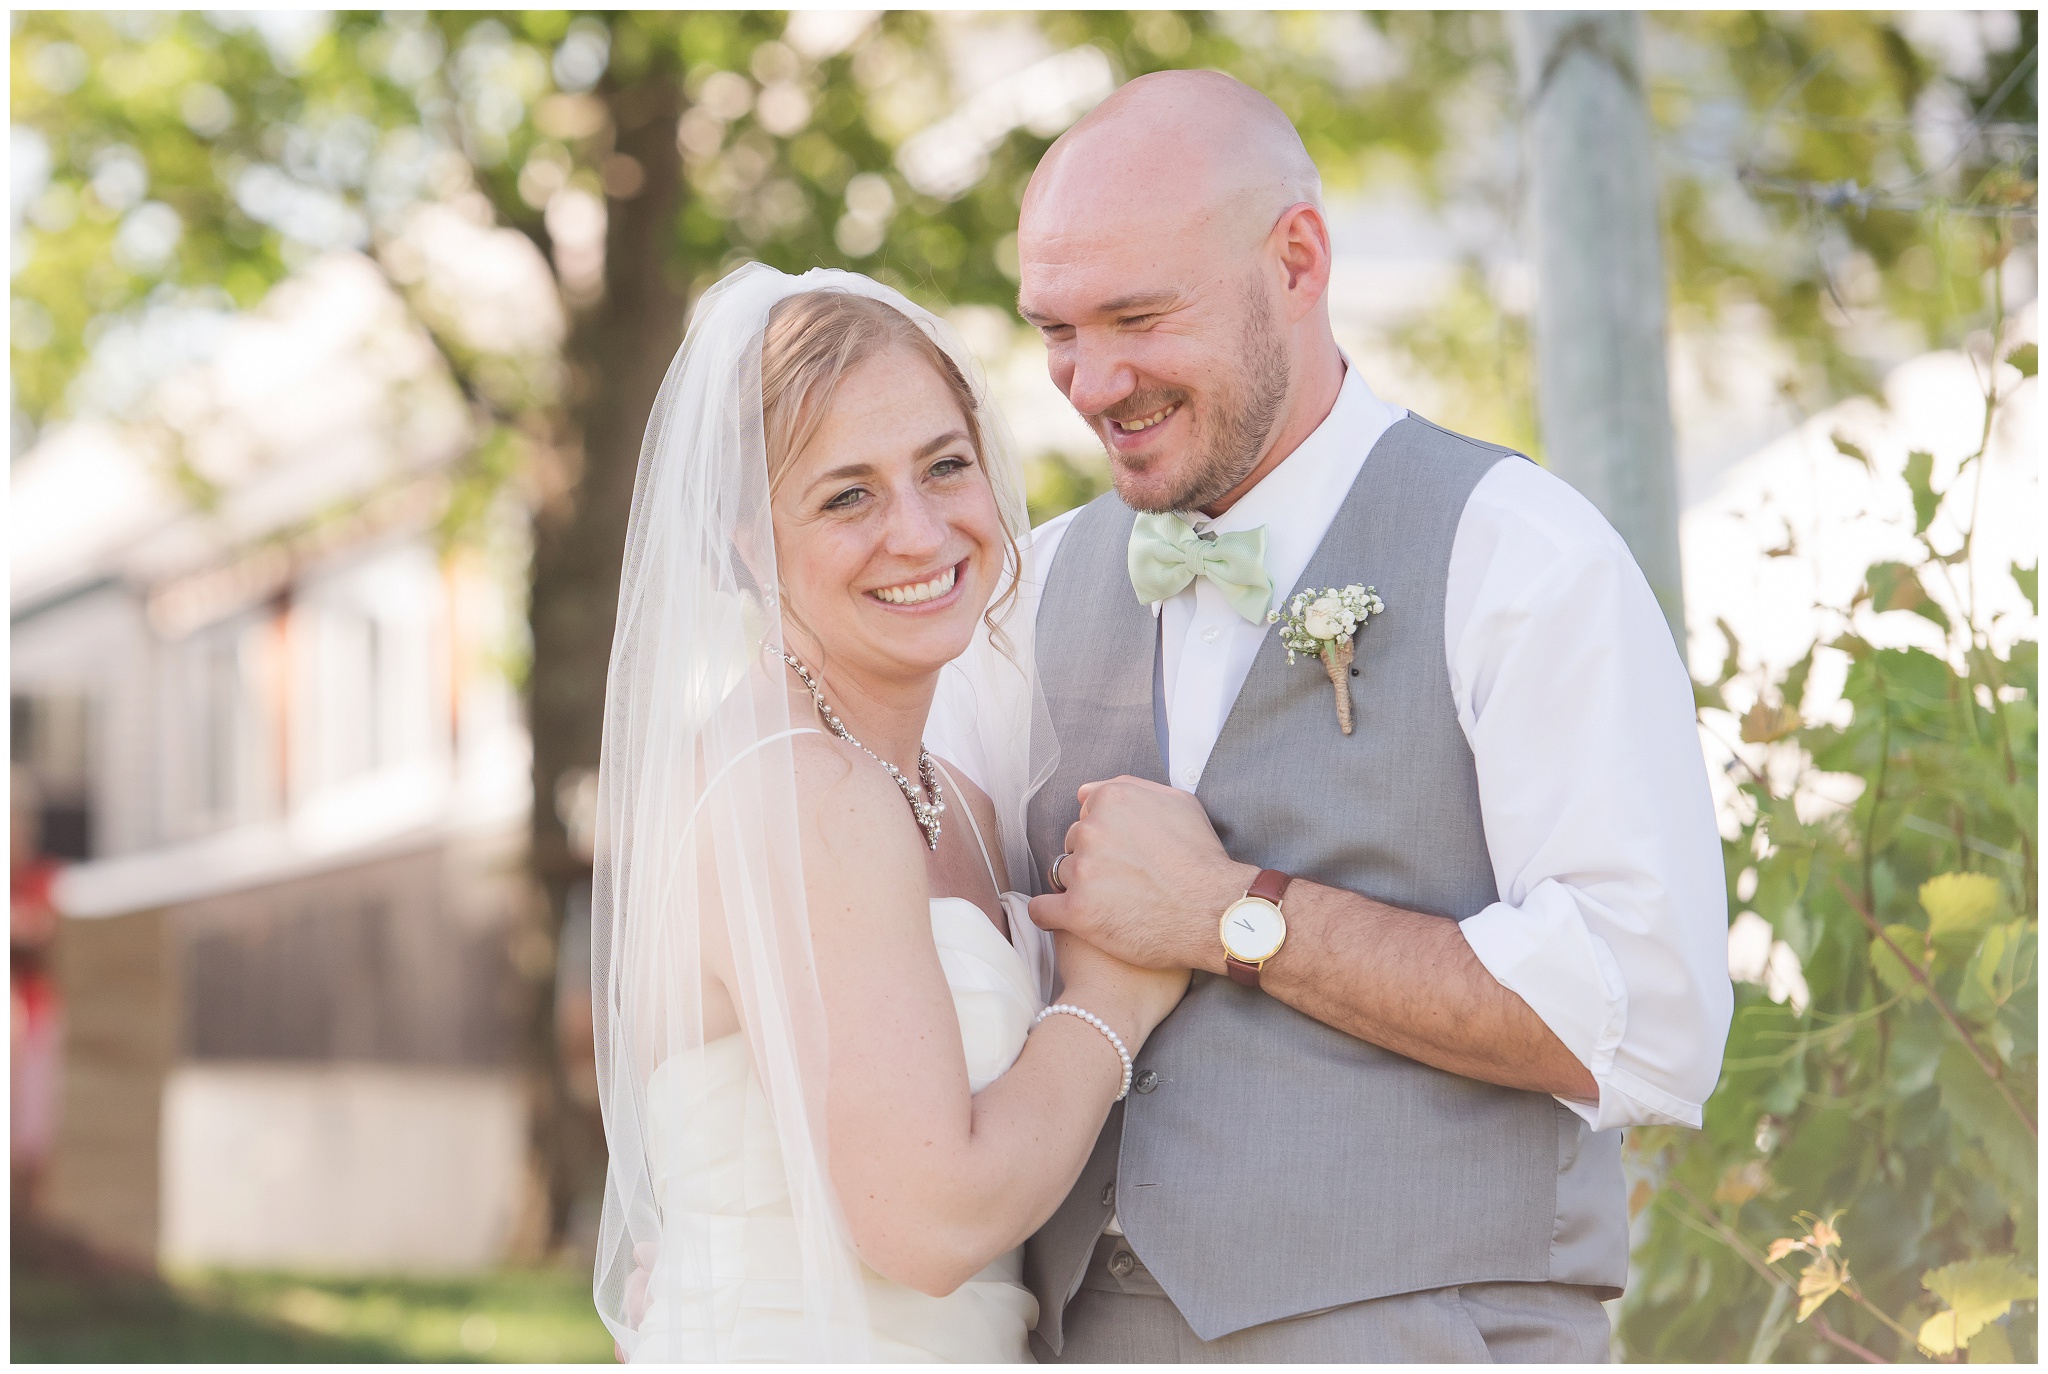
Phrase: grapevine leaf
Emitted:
{"points": [[1741, 1182], [1896, 587], [1821, 1281], [2002, 964], [1917, 1046], [1938, 1334], [1978, 1292], [1920, 477], [1793, 690], [1960, 906], [1732, 663], [1991, 1346], [1891, 973], [1856, 647], [1980, 1113], [1762, 723]]}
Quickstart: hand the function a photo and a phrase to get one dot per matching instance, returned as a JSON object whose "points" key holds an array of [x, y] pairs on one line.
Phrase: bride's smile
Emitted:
{"points": [[930, 594]]}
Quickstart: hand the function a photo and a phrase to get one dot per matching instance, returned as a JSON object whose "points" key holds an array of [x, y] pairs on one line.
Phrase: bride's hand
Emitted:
{"points": [[1131, 998]]}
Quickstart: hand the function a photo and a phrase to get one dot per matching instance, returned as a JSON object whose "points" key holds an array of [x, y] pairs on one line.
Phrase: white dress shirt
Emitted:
{"points": [[1612, 918]]}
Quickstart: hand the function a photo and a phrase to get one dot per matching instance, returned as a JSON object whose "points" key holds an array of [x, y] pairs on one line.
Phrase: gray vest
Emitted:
{"points": [[1277, 1166]]}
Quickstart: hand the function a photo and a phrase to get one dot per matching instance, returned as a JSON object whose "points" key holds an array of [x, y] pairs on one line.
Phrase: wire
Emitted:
{"points": [[1836, 195]]}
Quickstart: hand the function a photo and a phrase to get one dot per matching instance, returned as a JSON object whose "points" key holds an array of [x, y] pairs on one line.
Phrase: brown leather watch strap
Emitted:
{"points": [[1271, 884]]}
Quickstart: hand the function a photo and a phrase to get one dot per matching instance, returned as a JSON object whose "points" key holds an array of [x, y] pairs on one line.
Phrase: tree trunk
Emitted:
{"points": [[1602, 395], [618, 351]]}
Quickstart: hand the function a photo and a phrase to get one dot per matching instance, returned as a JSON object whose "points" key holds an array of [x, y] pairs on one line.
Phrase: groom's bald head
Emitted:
{"points": [[1172, 251], [1173, 150]]}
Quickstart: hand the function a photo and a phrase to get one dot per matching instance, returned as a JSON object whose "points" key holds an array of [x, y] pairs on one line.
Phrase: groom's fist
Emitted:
{"points": [[1146, 878]]}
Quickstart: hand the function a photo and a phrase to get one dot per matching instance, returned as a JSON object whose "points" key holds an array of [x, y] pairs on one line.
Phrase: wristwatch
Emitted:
{"points": [[1253, 928]]}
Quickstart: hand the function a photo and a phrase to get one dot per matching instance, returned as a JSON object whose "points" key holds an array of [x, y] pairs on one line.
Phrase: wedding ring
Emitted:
{"points": [[1053, 874]]}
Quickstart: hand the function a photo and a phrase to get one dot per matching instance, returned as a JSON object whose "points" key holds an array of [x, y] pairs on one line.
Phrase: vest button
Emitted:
{"points": [[1146, 1081], [1122, 1263], [1209, 635], [1109, 1193]]}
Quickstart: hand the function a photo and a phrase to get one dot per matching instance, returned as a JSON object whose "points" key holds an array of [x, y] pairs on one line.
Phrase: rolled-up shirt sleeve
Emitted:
{"points": [[1612, 919]]}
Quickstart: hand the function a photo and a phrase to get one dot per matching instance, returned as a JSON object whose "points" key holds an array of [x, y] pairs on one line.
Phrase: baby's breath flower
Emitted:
{"points": [[1317, 618]]}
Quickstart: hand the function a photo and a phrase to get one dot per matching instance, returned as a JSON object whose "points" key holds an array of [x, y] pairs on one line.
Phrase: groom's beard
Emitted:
{"points": [[1242, 416]]}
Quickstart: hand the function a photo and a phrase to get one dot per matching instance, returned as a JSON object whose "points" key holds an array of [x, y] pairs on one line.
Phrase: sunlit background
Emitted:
{"points": [[332, 340]]}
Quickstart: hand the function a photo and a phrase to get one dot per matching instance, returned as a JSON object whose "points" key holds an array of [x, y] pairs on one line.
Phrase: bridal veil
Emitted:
{"points": [[696, 848]]}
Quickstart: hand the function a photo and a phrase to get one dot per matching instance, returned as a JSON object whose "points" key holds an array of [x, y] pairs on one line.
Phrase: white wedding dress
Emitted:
{"points": [[719, 1182]]}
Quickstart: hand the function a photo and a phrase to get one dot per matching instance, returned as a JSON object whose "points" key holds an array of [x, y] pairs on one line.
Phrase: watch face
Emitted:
{"points": [[1253, 929]]}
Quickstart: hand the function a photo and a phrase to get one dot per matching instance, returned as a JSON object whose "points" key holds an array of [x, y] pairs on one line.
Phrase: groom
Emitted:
{"points": [[1470, 939]]}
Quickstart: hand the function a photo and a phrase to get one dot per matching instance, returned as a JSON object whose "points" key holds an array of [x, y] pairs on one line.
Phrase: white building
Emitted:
{"points": [[275, 730]]}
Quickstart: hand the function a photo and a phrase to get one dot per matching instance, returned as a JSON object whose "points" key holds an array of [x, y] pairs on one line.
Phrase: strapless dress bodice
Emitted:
{"points": [[729, 1241]]}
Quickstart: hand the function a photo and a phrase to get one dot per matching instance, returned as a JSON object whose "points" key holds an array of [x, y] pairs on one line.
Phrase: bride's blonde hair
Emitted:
{"points": [[814, 339]]}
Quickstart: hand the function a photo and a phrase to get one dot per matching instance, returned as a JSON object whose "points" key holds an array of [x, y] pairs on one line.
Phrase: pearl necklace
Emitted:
{"points": [[927, 813]]}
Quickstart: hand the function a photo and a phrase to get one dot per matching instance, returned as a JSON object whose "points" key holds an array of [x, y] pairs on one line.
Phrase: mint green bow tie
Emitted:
{"points": [[1166, 554]]}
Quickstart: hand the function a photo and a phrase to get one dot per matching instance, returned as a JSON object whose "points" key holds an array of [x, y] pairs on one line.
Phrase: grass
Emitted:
{"points": [[72, 1312]]}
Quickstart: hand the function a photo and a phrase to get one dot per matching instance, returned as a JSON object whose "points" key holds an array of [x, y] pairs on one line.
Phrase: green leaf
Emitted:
{"points": [[1960, 906], [1741, 1182], [1920, 478], [1771, 1330], [2002, 965], [1978, 1292], [1797, 929], [1991, 1346], [1856, 647], [2021, 1016], [1915, 1061], [1842, 445], [2030, 584], [1980, 1112], [1732, 663], [1781, 1095], [1793, 689], [1763, 723], [2027, 357], [1896, 587], [1890, 972], [1818, 1282]]}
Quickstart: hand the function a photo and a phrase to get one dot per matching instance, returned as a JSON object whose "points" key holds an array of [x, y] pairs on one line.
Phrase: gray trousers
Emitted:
{"points": [[1122, 1316]]}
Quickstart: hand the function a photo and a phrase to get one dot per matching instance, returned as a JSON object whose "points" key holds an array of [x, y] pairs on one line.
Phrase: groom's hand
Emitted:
{"points": [[1146, 878]]}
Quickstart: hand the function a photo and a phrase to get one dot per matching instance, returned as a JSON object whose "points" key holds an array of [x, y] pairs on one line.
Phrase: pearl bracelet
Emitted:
{"points": [[1116, 1041]]}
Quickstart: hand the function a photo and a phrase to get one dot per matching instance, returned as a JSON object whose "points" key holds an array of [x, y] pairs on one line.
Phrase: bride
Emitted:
{"points": [[835, 1098]]}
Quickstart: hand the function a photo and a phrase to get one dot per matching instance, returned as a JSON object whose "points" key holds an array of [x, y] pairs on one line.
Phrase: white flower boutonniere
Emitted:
{"points": [[1326, 624]]}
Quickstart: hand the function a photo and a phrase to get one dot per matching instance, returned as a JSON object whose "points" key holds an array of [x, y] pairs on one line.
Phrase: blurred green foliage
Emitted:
{"points": [[253, 143], [268, 140], [1826, 100], [1891, 1097]]}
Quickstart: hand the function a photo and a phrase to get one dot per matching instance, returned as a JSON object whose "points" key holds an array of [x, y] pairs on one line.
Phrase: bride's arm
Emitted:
{"points": [[935, 1180]]}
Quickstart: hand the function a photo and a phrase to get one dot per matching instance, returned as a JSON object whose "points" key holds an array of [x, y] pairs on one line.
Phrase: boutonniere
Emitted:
{"points": [[1326, 624]]}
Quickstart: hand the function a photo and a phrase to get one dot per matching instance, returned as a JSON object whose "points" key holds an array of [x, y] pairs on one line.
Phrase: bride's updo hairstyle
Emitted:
{"points": [[813, 340]]}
